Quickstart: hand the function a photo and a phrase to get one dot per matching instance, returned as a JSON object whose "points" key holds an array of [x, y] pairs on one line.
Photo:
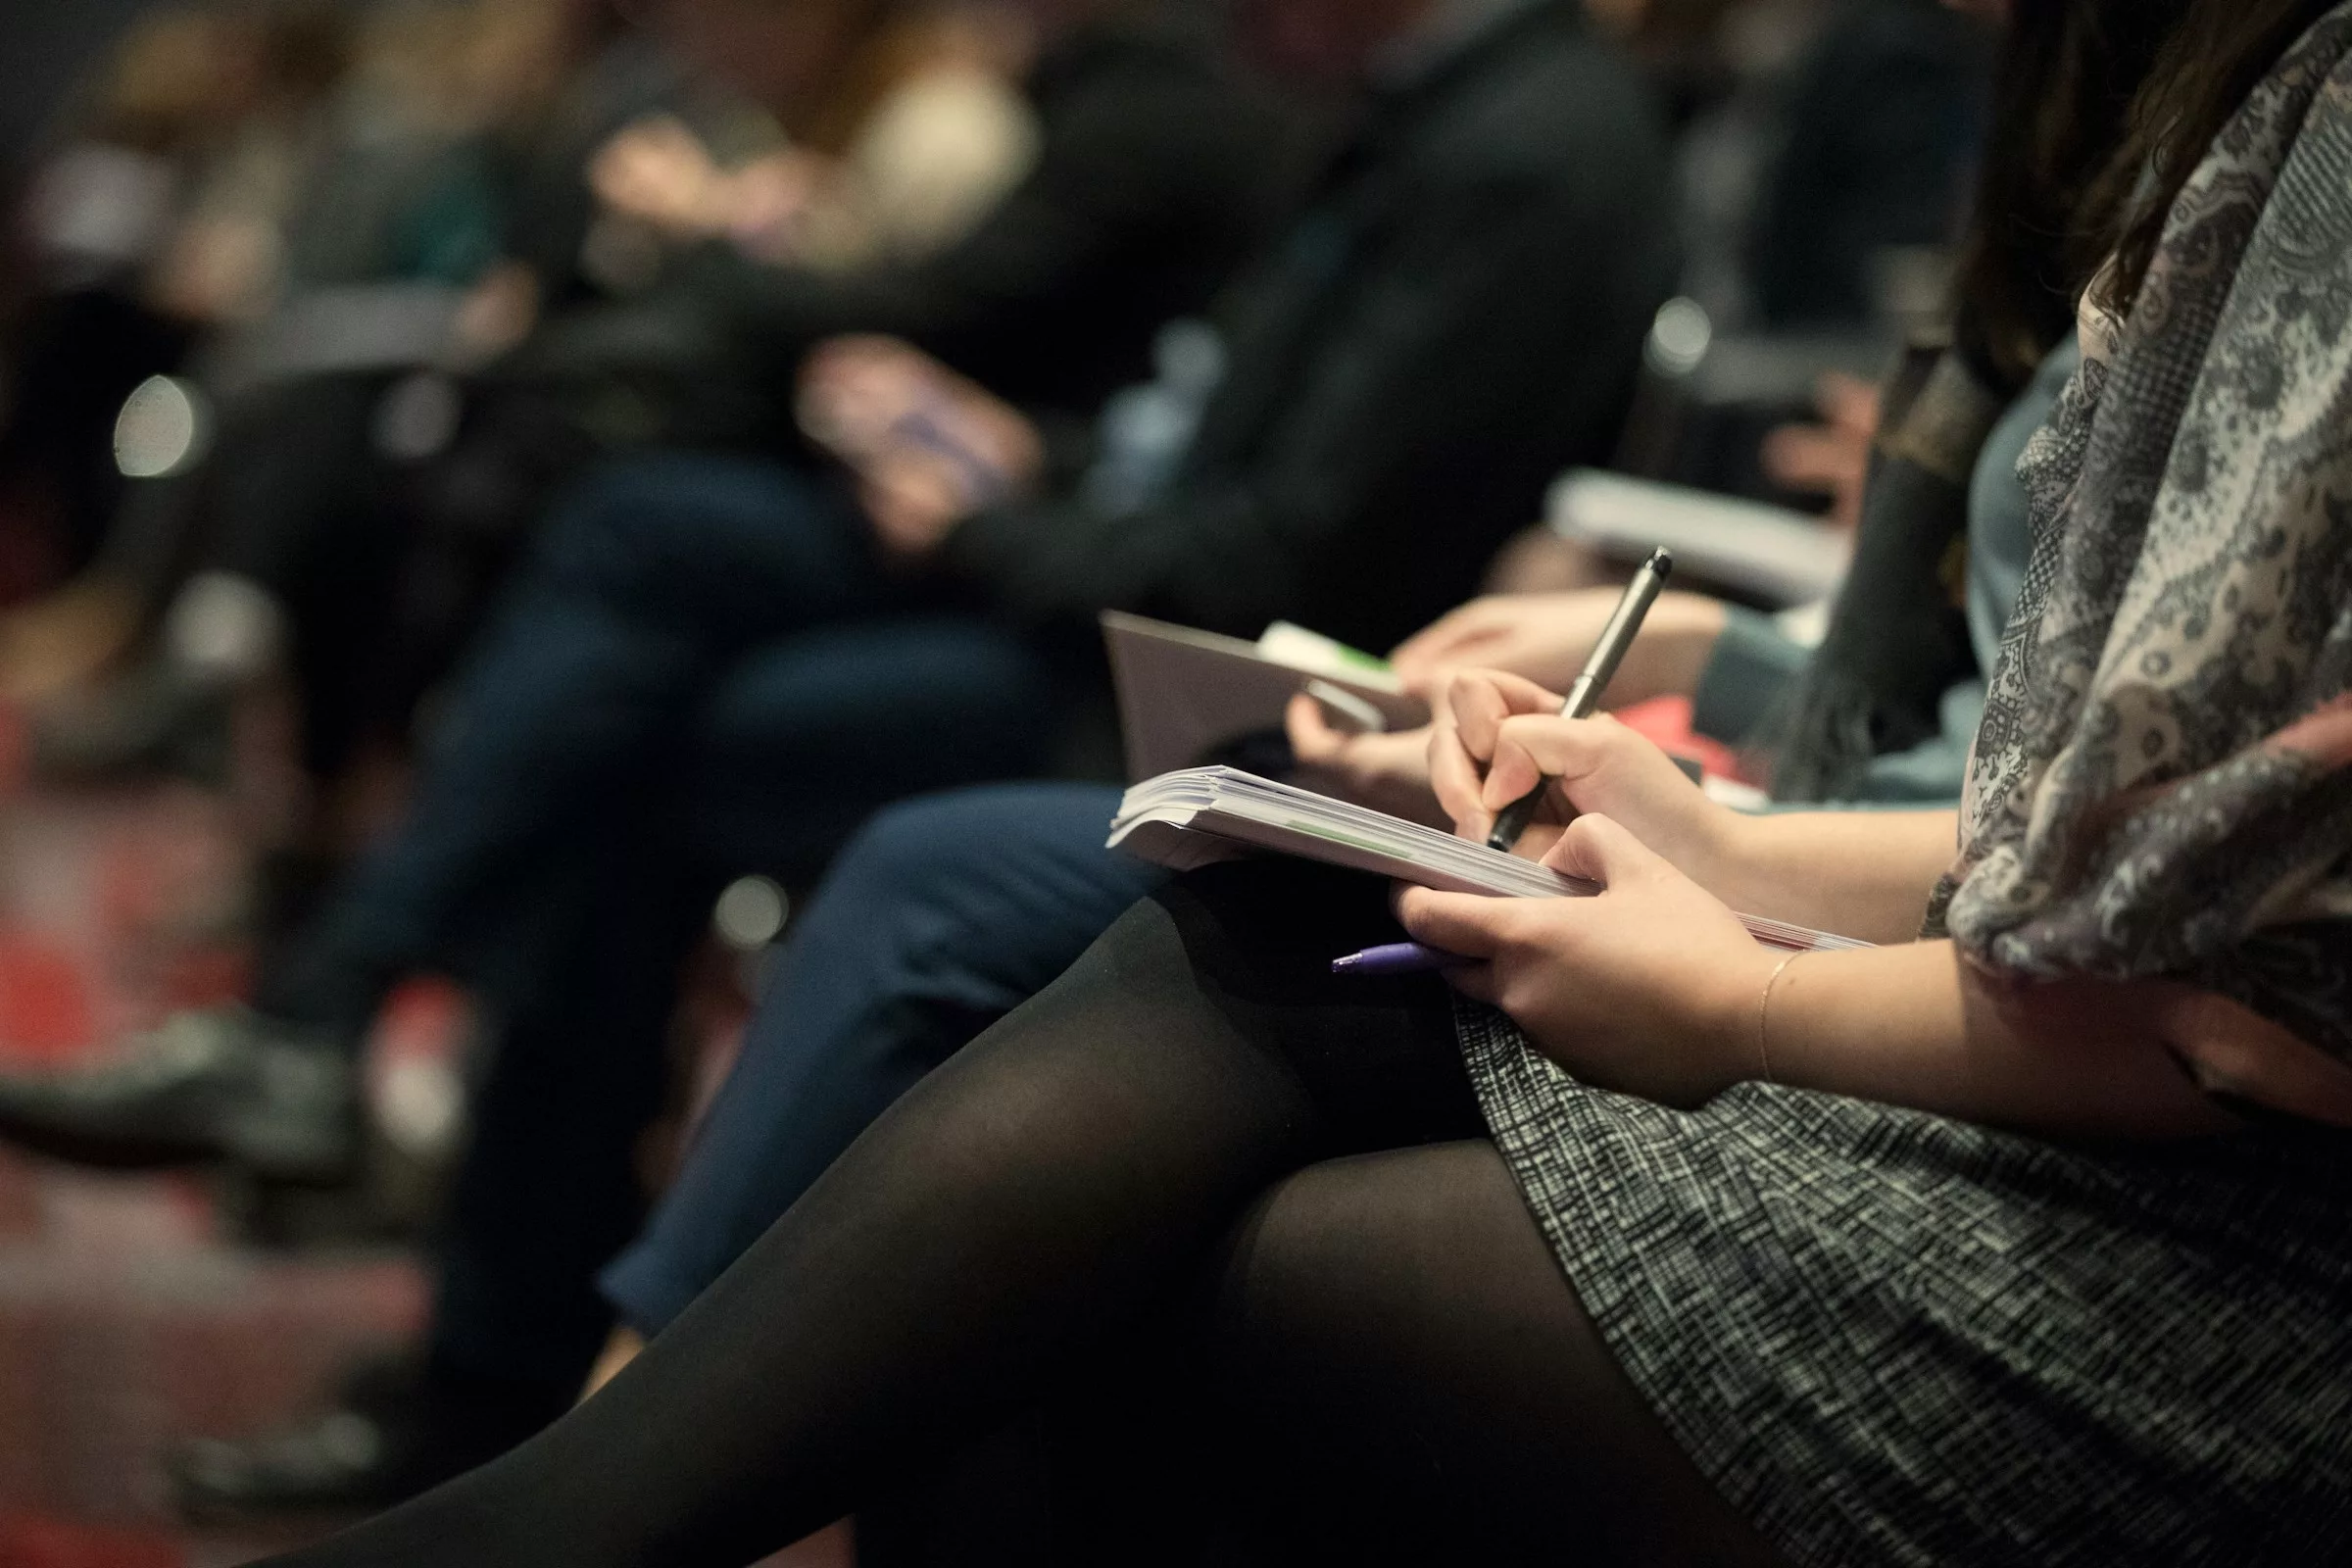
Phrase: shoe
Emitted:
{"points": [[280, 1100], [398, 1430]]}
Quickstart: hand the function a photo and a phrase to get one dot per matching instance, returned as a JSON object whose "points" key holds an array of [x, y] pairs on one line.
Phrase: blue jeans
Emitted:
{"points": [[940, 917], [700, 672]]}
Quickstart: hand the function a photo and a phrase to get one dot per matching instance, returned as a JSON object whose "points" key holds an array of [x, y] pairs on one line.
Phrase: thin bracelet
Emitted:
{"points": [[1764, 1015]]}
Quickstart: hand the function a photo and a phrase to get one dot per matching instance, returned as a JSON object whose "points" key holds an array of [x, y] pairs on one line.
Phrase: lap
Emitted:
{"points": [[1007, 883], [939, 917], [805, 735], [732, 548], [1396, 1332]]}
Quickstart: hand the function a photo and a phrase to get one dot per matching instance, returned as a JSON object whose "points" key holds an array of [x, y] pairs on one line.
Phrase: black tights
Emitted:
{"points": [[1196, 1149]]}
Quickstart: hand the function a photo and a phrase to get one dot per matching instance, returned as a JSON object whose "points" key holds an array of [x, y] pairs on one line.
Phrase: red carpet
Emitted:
{"points": [[128, 1316], [126, 1319]]}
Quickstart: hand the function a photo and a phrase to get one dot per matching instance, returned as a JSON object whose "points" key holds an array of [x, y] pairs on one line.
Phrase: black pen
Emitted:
{"points": [[1584, 696]]}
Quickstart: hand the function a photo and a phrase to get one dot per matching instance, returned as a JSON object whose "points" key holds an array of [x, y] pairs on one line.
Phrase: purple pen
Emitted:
{"points": [[1395, 958]]}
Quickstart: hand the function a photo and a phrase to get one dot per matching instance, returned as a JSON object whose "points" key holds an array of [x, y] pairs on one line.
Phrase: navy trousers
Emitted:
{"points": [[942, 916], [700, 672]]}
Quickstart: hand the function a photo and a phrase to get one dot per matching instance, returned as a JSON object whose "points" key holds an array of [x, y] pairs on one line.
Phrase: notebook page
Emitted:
{"points": [[1163, 819]]}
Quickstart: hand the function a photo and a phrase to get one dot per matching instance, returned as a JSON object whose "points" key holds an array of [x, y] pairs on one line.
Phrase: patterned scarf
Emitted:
{"points": [[2163, 782]]}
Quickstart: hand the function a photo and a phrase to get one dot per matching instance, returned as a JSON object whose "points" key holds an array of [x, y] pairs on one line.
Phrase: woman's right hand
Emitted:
{"points": [[1497, 735]]}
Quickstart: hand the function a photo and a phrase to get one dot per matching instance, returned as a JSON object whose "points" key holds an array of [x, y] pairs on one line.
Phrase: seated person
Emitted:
{"points": [[320, 542], [943, 915], [2019, 1238], [1437, 332], [106, 283]]}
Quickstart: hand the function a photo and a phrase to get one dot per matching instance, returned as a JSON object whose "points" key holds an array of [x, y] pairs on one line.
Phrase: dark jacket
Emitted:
{"points": [[1456, 315], [1883, 123], [1158, 172]]}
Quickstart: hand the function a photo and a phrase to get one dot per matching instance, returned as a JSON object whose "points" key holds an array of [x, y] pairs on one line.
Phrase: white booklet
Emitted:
{"points": [[1184, 695], [1776, 554], [1202, 816]]}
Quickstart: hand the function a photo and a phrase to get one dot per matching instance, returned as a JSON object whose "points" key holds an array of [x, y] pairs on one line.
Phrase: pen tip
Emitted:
{"points": [[1662, 561]]}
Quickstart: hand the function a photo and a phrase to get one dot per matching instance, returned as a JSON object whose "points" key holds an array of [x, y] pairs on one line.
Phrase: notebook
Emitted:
{"points": [[1198, 817], [1775, 554], [1186, 695]]}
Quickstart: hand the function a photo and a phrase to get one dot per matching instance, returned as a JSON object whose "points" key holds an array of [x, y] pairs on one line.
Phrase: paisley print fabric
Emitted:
{"points": [[2163, 782], [1895, 1337]]}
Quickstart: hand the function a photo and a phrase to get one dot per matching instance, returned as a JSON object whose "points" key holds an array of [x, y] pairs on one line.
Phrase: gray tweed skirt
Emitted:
{"points": [[1889, 1337]]}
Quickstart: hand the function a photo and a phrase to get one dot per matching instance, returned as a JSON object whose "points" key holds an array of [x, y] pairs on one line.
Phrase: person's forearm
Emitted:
{"points": [[1863, 874], [1667, 658], [1914, 1025]]}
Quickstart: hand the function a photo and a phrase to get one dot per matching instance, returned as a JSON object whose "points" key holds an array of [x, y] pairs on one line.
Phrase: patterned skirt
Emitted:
{"points": [[1889, 1337]]}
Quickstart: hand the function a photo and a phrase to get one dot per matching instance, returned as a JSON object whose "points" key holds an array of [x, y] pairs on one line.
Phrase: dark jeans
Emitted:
{"points": [[654, 578], [691, 636], [938, 918]]}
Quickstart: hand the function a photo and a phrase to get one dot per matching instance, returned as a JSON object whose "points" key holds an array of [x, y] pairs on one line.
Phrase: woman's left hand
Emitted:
{"points": [[1386, 770], [1651, 988]]}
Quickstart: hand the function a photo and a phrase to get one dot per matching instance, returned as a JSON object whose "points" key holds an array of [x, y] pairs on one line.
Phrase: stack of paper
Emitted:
{"points": [[1777, 555], [1205, 815]]}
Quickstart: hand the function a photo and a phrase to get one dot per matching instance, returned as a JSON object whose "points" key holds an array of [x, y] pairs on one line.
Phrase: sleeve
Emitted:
{"points": [[1461, 360], [1126, 160], [1754, 666]]}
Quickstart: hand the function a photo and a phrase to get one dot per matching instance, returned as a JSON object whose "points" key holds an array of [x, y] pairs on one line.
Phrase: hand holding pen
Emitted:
{"points": [[1608, 652], [1512, 822]]}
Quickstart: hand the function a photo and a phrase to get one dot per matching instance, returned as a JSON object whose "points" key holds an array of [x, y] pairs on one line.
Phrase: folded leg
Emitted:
{"points": [[1415, 1381], [942, 916], [1035, 1204]]}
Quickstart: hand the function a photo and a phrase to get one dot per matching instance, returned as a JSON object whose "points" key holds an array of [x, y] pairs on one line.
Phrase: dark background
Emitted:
{"points": [[44, 44]]}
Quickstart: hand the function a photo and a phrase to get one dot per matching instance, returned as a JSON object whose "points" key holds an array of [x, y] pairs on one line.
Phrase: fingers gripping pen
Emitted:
{"points": [[1607, 652]]}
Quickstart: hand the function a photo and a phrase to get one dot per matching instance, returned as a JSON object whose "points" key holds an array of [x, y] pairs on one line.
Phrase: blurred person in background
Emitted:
{"points": [[756, 653], [381, 255], [150, 223], [1112, 185], [2018, 1238], [1822, 162], [923, 135], [1154, 166], [944, 913], [1841, 153]]}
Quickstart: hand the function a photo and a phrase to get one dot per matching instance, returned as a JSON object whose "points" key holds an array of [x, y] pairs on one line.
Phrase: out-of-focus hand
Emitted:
{"points": [[66, 638], [657, 171], [768, 201], [497, 313], [1547, 637], [1500, 735], [1651, 988], [1387, 771], [928, 446], [1831, 457], [1543, 561], [216, 270]]}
